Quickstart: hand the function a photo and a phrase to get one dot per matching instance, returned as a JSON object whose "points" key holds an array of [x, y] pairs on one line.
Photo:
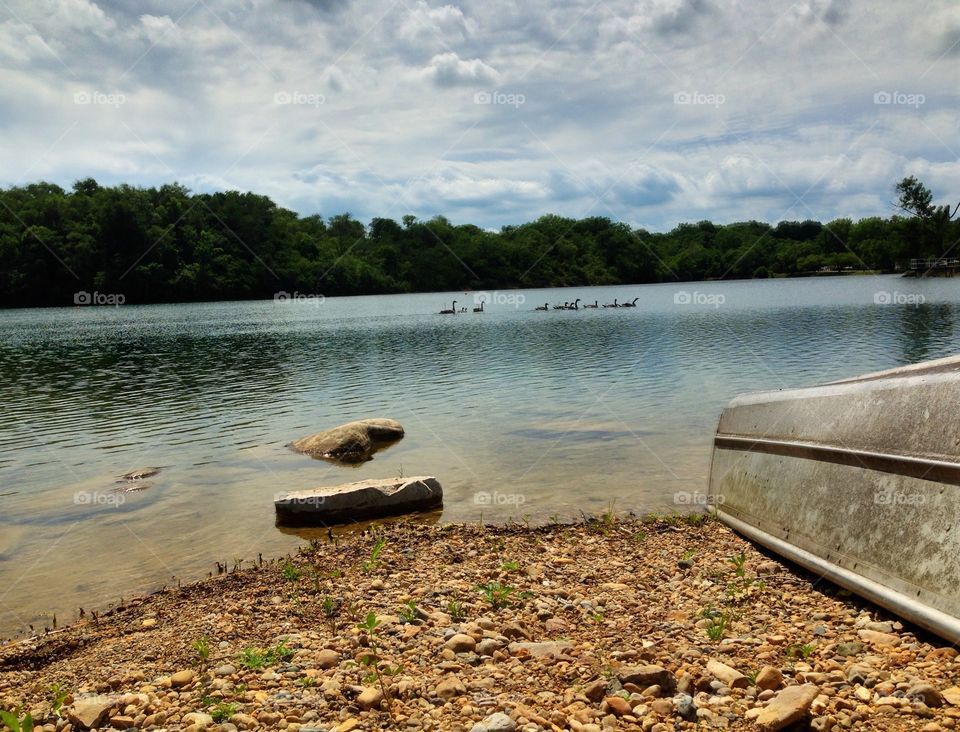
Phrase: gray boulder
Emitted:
{"points": [[354, 442], [364, 499]]}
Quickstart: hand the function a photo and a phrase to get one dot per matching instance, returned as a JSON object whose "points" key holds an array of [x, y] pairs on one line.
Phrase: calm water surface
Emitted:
{"points": [[556, 411]]}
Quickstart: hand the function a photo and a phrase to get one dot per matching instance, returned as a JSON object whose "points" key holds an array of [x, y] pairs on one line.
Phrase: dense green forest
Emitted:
{"points": [[165, 245]]}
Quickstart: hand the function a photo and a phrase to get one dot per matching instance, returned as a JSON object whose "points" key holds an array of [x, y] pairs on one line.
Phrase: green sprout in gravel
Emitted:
{"points": [[374, 560], [796, 650], [58, 695], [379, 671], [408, 613], [511, 565], [15, 723], [739, 563], [455, 610], [290, 572], [717, 627], [222, 712], [256, 659], [499, 595], [201, 647], [252, 658], [331, 609]]}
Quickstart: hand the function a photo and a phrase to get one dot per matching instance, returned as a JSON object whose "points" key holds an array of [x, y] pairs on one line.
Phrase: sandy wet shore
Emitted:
{"points": [[619, 623]]}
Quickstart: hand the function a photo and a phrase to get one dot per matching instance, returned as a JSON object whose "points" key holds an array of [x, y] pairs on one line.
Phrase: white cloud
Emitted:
{"points": [[160, 29], [400, 131], [448, 69], [446, 25]]}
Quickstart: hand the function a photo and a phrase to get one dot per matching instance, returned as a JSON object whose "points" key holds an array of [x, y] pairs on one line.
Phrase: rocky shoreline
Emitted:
{"points": [[656, 624]]}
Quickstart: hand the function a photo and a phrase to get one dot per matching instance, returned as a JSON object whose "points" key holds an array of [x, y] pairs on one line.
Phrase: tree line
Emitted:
{"points": [[167, 244]]}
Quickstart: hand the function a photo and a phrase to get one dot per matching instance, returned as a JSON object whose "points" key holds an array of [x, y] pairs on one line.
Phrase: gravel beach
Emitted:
{"points": [[617, 623]]}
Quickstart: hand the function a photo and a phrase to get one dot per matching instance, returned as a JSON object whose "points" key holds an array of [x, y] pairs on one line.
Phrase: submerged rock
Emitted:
{"points": [[140, 474], [354, 442], [363, 499]]}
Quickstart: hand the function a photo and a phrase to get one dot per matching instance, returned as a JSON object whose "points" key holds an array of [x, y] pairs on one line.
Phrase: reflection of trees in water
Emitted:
{"points": [[924, 330]]}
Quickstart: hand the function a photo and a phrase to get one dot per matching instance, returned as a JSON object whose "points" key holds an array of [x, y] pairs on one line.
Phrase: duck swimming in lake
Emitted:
{"points": [[575, 305], [613, 305], [451, 311], [546, 306], [594, 306], [630, 304]]}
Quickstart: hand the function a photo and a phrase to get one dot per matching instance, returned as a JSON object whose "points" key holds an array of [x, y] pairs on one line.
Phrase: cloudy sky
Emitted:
{"points": [[491, 112]]}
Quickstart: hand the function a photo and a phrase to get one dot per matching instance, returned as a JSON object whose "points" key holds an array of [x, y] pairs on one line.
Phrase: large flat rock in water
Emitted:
{"points": [[364, 499], [353, 442]]}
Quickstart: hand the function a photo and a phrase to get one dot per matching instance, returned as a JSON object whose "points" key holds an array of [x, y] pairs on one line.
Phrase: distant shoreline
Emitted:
{"points": [[678, 283]]}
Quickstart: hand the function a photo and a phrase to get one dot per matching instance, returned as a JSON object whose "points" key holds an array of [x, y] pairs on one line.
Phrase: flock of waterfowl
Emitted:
{"points": [[575, 305]]}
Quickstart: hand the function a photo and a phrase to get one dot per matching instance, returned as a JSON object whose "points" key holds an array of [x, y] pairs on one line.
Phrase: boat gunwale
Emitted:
{"points": [[913, 466]]}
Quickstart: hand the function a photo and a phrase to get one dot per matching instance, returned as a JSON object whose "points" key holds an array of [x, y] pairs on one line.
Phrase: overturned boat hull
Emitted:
{"points": [[858, 481]]}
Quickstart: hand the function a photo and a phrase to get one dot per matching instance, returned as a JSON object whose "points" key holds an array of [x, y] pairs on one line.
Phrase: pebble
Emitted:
{"points": [[182, 678], [618, 705], [769, 678], [327, 659], [450, 687], [368, 699], [644, 676], [461, 643], [728, 675], [685, 707], [498, 722], [787, 707]]}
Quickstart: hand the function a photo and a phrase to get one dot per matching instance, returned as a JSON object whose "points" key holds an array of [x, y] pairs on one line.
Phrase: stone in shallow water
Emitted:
{"points": [[140, 474], [353, 442], [364, 499]]}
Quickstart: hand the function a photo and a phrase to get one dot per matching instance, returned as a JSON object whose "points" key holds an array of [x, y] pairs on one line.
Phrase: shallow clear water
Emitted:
{"points": [[553, 412]]}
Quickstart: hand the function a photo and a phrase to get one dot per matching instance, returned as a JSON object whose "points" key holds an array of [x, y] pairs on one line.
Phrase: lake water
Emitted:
{"points": [[517, 412]]}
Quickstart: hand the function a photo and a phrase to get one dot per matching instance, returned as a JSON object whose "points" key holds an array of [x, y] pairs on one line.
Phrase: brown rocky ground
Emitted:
{"points": [[615, 624]]}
